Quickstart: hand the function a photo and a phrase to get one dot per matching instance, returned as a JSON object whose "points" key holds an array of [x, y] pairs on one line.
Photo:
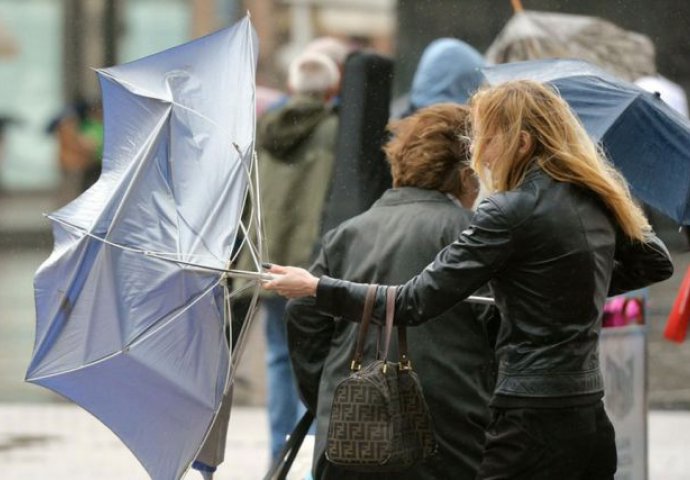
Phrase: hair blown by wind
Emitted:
{"points": [[561, 147]]}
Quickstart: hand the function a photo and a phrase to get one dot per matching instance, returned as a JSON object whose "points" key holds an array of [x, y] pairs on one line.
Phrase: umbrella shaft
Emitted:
{"points": [[264, 277]]}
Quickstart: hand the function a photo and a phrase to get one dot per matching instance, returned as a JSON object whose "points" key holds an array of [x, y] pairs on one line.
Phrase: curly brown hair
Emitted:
{"points": [[429, 149]]}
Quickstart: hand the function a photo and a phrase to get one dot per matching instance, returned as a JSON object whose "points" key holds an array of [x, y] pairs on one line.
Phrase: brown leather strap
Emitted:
{"points": [[364, 326], [402, 331], [390, 314], [402, 348]]}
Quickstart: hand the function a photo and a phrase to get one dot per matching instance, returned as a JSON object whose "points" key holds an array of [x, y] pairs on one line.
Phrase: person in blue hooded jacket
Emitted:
{"points": [[448, 71]]}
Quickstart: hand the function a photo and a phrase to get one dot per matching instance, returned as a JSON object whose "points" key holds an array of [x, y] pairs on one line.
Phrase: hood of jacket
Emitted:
{"points": [[447, 72], [281, 131]]}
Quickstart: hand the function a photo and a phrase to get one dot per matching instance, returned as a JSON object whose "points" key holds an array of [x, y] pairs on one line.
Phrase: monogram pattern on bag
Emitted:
{"points": [[379, 418], [374, 425], [416, 413]]}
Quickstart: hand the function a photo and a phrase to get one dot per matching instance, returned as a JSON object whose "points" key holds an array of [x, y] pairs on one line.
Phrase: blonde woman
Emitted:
{"points": [[557, 235]]}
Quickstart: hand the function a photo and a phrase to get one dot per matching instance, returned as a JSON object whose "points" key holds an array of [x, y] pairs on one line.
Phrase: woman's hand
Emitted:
{"points": [[291, 282]]}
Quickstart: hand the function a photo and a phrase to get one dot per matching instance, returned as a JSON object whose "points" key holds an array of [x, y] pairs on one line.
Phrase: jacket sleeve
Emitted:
{"points": [[639, 264], [309, 335], [459, 269]]}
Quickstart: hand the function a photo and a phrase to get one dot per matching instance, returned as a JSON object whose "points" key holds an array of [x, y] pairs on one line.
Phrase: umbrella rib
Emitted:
{"points": [[248, 195], [257, 213], [161, 256], [218, 205], [255, 251], [155, 327], [130, 186], [75, 369], [131, 87], [228, 272]]}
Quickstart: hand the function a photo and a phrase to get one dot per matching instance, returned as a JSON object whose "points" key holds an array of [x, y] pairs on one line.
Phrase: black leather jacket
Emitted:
{"points": [[552, 254]]}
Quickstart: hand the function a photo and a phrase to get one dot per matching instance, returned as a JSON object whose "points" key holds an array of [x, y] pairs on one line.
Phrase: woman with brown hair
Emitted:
{"points": [[558, 234], [427, 208]]}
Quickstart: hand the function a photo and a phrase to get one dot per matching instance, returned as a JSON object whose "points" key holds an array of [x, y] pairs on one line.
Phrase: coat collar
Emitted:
{"points": [[404, 195]]}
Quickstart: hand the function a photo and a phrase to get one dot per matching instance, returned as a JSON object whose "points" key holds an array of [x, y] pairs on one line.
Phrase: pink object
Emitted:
{"points": [[614, 312], [265, 98], [633, 311], [621, 311]]}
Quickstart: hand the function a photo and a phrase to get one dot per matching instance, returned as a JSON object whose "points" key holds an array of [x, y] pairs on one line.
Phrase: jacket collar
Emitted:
{"points": [[535, 172], [404, 195]]}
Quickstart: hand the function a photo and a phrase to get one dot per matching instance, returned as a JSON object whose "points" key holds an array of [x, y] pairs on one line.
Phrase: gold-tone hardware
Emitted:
{"points": [[354, 366], [385, 367], [405, 365]]}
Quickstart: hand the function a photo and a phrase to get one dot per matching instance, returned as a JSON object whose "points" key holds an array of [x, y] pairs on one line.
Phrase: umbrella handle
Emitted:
{"points": [[264, 277], [517, 6], [481, 300]]}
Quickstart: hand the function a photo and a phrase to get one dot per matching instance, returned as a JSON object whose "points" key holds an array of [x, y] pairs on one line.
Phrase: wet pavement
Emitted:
{"points": [[63, 442]]}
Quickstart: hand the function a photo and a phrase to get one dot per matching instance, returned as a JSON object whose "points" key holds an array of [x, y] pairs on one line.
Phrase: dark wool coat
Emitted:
{"points": [[388, 244]]}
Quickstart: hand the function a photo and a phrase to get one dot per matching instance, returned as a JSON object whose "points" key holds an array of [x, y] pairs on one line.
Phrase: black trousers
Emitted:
{"points": [[574, 443]]}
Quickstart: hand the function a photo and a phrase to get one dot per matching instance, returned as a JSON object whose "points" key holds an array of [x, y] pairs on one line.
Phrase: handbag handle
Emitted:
{"points": [[364, 327], [403, 360]]}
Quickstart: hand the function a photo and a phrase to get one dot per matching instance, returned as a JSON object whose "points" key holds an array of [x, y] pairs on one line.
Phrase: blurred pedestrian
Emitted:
{"points": [[80, 147], [558, 235], [295, 148], [448, 71], [337, 50], [6, 122], [91, 129], [334, 48], [429, 205]]}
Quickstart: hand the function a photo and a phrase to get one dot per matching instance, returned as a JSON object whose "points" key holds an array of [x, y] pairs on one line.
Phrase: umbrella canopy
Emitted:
{"points": [[533, 35], [646, 140], [125, 327]]}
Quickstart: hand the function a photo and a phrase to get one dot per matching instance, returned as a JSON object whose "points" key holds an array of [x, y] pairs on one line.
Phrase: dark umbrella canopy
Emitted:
{"points": [[644, 138]]}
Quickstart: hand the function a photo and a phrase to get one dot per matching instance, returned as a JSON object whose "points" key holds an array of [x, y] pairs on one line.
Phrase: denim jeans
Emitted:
{"points": [[284, 405]]}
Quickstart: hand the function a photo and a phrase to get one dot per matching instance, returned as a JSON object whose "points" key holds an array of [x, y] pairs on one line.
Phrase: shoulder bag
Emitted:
{"points": [[379, 419]]}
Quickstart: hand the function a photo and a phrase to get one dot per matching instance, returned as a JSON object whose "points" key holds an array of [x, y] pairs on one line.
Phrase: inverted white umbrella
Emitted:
{"points": [[132, 304]]}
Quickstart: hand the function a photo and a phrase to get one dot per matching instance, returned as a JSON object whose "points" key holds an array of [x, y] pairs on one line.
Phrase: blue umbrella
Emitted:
{"points": [[131, 306], [645, 139]]}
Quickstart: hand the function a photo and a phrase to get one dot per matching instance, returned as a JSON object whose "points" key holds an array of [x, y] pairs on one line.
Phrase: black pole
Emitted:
{"points": [[111, 29], [72, 50]]}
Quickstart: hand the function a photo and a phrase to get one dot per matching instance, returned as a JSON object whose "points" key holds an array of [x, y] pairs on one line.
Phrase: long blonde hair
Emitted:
{"points": [[560, 146]]}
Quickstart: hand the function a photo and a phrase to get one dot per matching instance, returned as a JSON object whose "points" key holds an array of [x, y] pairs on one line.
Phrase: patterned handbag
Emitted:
{"points": [[379, 418]]}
